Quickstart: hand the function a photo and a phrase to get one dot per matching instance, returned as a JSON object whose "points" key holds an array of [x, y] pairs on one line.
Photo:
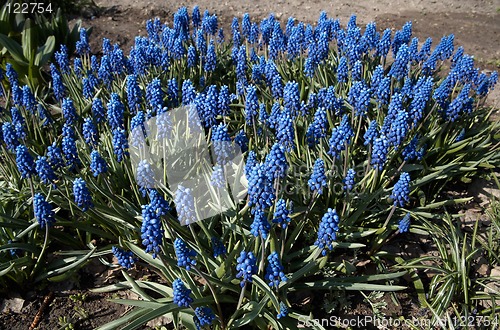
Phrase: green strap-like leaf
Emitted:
{"points": [[15, 50], [44, 52]]}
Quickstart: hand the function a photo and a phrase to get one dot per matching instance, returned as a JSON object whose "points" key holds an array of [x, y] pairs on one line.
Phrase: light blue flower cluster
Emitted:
{"points": [[185, 206], [404, 224]]}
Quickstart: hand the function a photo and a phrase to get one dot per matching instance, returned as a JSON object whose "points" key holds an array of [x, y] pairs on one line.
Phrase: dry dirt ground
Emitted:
{"points": [[475, 23]]}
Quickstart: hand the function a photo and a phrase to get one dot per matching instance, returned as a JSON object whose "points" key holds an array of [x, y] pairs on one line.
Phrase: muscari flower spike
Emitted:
{"points": [[185, 256], [274, 271], [327, 232], [151, 229], [185, 205], [283, 311], [82, 194], [246, 267], [217, 179], [282, 213], [318, 177], [401, 190], [404, 224], [222, 145], [260, 226], [182, 295], [349, 180], [125, 258], [204, 316], [218, 247], [276, 163], [25, 162], [379, 152], [341, 136], [43, 211], [44, 170], [97, 163], [90, 133], [261, 191], [10, 136]]}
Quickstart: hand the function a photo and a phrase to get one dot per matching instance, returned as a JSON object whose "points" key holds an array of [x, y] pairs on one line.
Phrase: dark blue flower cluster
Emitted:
{"points": [[185, 206], [341, 136], [185, 255], [204, 316], [246, 267], [218, 247], [282, 213], [260, 226], [182, 295], [44, 170], [125, 258], [222, 146], [97, 163], [401, 191], [151, 229], [82, 194], [274, 271], [261, 190], [318, 177], [276, 163], [349, 179], [43, 211], [25, 162], [327, 233]]}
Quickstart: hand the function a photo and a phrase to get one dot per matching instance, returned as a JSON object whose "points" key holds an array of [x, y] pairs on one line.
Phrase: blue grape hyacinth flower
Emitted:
{"points": [[82, 194], [218, 247], [97, 163], [151, 229], [246, 267], [185, 255], [125, 258], [404, 224], [25, 162], [327, 233], [204, 316], [401, 190], [260, 226], [349, 180], [185, 205], [276, 163], [222, 145], [43, 211], [274, 271], [44, 170], [283, 311], [182, 295], [282, 213], [318, 178]]}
